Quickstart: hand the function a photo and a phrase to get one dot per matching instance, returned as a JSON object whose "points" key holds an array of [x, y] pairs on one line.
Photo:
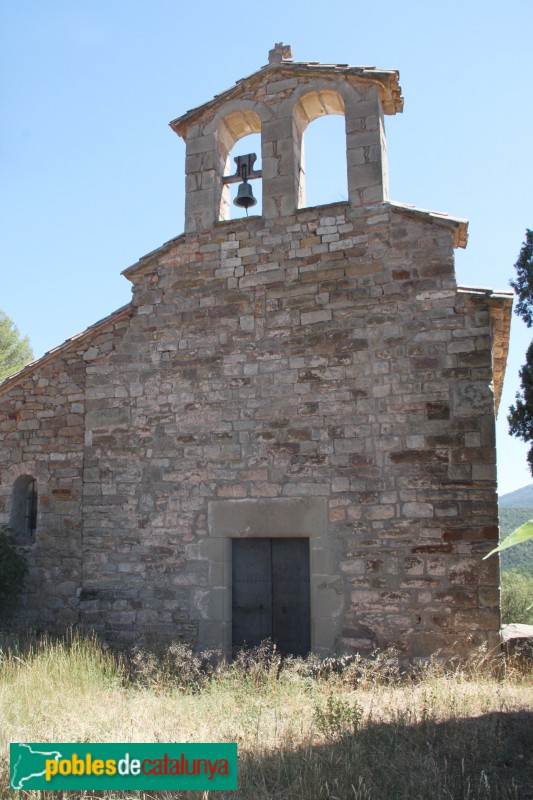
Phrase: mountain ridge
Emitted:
{"points": [[520, 498]]}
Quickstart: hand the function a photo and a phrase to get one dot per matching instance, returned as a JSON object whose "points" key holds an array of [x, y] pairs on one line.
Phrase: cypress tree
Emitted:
{"points": [[520, 415]]}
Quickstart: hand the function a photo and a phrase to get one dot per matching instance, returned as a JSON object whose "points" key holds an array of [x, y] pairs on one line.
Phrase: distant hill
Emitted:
{"points": [[521, 497], [515, 509]]}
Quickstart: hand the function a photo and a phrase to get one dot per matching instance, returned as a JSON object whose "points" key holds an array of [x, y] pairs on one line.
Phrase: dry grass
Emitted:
{"points": [[362, 730]]}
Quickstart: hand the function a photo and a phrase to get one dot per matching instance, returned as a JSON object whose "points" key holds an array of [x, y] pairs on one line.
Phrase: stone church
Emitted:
{"points": [[289, 431]]}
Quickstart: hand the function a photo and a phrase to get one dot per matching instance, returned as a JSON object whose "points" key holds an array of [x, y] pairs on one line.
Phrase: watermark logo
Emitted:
{"points": [[123, 766]]}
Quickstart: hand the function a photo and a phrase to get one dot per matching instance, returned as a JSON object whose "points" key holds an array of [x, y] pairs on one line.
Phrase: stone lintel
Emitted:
{"points": [[305, 516]]}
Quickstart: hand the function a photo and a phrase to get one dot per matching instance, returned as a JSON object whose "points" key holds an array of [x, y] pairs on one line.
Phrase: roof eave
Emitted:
{"points": [[500, 303], [458, 225], [146, 260], [121, 313], [387, 80]]}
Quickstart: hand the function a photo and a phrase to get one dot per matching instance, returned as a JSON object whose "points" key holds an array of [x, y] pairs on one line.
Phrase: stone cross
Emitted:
{"points": [[280, 52]]}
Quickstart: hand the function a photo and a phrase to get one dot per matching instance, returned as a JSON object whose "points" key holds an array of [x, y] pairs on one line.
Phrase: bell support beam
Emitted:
{"points": [[237, 178], [245, 169]]}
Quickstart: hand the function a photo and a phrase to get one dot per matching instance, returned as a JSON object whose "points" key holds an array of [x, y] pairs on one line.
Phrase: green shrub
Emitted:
{"points": [[517, 597], [338, 717], [12, 568]]}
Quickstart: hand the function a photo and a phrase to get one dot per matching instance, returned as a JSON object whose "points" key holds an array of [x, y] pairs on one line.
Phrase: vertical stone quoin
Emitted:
{"points": [[309, 373]]}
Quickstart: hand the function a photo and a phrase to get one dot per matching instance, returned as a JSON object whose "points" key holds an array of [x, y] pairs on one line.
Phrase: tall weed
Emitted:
{"points": [[329, 729]]}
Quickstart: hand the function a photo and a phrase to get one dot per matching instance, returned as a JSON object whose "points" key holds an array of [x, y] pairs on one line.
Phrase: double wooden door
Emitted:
{"points": [[270, 594]]}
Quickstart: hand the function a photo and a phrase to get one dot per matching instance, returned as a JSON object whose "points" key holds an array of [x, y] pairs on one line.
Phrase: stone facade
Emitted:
{"points": [[311, 372]]}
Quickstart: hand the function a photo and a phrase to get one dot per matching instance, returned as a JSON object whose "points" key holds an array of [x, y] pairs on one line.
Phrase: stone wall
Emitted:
{"points": [[42, 434], [328, 355]]}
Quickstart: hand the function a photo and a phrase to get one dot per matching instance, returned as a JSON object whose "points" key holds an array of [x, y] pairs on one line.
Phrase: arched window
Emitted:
{"points": [[238, 134], [320, 148], [23, 518]]}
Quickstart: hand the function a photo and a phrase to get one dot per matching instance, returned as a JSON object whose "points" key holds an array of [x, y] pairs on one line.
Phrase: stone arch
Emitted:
{"points": [[309, 107], [232, 127], [12, 476]]}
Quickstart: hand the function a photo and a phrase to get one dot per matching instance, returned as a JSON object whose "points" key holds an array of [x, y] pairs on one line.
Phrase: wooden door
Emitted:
{"points": [[271, 594]]}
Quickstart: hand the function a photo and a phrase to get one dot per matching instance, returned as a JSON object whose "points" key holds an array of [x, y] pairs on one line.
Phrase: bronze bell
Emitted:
{"points": [[245, 197]]}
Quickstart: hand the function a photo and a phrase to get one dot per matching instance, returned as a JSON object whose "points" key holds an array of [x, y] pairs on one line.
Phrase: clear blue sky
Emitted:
{"points": [[92, 176]]}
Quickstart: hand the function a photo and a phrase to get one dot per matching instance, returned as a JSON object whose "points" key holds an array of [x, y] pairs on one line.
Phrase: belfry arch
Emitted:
{"points": [[231, 129], [279, 102], [315, 104]]}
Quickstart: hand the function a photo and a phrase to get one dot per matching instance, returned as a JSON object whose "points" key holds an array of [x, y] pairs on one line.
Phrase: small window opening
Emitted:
{"points": [[248, 144], [326, 174], [23, 519], [30, 519]]}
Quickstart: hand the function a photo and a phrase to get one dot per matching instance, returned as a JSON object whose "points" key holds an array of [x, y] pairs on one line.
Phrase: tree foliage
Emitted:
{"points": [[517, 592], [520, 415], [523, 285], [516, 559], [15, 352], [522, 534]]}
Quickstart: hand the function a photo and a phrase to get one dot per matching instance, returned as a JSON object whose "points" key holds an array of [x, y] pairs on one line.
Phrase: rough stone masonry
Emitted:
{"points": [[310, 372]]}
